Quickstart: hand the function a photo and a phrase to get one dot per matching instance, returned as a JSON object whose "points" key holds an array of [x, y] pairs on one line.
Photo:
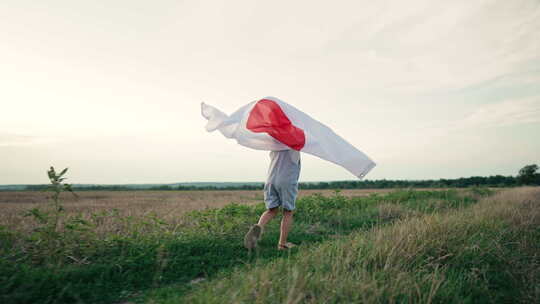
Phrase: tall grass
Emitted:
{"points": [[489, 253], [166, 205], [87, 263]]}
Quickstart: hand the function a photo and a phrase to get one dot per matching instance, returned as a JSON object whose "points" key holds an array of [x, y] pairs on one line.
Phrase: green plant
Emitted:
{"points": [[57, 187], [53, 226]]}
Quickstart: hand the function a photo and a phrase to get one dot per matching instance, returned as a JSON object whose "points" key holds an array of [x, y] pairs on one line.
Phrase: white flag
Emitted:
{"points": [[273, 125]]}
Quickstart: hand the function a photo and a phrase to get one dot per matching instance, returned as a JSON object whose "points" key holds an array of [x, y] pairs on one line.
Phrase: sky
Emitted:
{"points": [[112, 89]]}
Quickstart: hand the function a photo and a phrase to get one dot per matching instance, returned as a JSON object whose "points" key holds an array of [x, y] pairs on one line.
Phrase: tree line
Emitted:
{"points": [[528, 175]]}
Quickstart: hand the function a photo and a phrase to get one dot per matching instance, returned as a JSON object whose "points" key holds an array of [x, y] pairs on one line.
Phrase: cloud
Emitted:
{"points": [[438, 46], [506, 113]]}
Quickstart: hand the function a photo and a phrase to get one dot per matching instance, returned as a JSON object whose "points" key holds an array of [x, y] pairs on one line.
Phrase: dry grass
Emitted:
{"points": [[407, 262], [390, 212], [488, 252], [167, 205]]}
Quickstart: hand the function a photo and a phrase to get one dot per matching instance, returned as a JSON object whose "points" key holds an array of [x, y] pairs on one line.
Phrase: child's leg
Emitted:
{"points": [[286, 223], [267, 216], [255, 232]]}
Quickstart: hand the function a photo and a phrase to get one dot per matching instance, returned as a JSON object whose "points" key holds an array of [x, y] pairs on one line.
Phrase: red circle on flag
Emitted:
{"points": [[268, 117]]}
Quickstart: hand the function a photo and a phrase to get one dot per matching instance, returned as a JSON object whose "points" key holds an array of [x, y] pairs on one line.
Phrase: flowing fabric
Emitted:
{"points": [[274, 125]]}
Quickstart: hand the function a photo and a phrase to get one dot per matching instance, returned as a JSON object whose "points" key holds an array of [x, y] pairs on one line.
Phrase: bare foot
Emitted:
{"points": [[286, 246], [252, 236]]}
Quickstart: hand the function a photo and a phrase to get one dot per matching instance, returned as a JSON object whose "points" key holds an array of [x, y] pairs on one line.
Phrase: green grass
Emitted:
{"points": [[158, 260], [485, 254]]}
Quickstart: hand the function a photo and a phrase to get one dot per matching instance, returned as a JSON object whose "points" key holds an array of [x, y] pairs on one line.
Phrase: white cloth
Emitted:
{"points": [[318, 139]]}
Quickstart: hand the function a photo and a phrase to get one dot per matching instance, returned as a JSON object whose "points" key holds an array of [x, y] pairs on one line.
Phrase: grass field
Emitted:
{"points": [[408, 246], [167, 205]]}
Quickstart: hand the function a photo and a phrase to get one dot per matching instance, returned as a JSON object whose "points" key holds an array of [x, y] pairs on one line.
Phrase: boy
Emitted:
{"points": [[280, 190]]}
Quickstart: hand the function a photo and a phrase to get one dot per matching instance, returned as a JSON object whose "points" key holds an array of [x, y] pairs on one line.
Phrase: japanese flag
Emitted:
{"points": [[273, 125]]}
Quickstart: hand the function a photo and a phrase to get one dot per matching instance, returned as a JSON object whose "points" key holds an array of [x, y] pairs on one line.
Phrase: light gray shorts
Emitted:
{"points": [[280, 195]]}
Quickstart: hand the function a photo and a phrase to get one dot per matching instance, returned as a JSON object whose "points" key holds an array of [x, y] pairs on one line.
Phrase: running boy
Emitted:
{"points": [[280, 190]]}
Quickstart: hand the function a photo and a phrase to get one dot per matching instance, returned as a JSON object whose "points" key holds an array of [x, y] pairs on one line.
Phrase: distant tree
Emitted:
{"points": [[528, 176]]}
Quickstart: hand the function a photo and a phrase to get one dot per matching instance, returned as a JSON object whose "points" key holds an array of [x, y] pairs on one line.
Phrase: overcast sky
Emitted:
{"points": [[112, 89]]}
